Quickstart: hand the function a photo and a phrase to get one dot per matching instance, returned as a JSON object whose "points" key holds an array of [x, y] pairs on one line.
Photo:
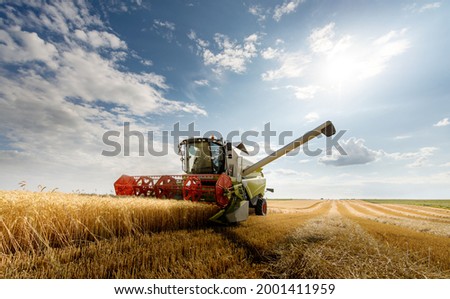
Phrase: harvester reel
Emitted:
{"points": [[144, 186], [223, 185], [124, 185], [192, 188], [165, 187]]}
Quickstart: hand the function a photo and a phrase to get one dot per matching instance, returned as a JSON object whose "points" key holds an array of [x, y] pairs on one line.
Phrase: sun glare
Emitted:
{"points": [[340, 69]]}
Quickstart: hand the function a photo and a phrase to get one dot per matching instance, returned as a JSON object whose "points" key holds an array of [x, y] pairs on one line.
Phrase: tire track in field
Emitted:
{"points": [[332, 246], [260, 235], [398, 212], [288, 210], [440, 211], [444, 214], [422, 225], [427, 249]]}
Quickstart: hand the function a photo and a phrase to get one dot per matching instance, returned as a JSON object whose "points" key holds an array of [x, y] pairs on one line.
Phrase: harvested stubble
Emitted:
{"points": [[336, 247], [36, 221], [427, 249], [198, 253]]}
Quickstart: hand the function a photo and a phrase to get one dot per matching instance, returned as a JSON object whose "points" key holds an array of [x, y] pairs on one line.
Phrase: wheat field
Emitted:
{"points": [[57, 235]]}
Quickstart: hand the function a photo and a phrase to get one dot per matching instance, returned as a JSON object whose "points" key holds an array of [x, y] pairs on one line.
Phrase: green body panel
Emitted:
{"points": [[254, 186]]}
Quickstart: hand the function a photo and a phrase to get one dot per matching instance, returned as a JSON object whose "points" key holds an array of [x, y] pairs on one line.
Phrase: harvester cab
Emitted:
{"points": [[202, 155], [216, 172]]}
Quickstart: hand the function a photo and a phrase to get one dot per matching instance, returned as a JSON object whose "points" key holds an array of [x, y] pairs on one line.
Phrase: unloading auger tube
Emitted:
{"points": [[216, 172]]}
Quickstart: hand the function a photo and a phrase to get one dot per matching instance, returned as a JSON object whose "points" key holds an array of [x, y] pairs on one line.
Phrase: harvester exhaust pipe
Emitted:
{"points": [[326, 128]]}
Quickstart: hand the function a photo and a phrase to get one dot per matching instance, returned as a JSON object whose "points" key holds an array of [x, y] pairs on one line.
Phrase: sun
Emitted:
{"points": [[340, 69]]}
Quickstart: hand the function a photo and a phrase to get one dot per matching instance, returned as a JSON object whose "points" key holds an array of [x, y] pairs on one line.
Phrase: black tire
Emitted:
{"points": [[261, 207]]}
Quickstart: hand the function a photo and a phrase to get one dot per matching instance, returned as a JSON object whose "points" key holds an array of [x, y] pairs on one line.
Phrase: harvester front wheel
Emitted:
{"points": [[261, 207]]}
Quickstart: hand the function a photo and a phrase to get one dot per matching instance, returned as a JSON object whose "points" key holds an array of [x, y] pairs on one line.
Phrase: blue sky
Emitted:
{"points": [[70, 71]]}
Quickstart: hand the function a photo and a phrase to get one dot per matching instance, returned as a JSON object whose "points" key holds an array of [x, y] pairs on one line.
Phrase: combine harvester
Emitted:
{"points": [[218, 173]]}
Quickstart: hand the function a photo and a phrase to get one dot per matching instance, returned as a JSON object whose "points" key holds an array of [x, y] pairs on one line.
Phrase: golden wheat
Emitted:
{"points": [[35, 221], [168, 254]]}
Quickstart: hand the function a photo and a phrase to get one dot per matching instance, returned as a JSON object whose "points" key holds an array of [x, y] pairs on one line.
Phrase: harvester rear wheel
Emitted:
{"points": [[192, 188], [261, 207], [165, 187]]}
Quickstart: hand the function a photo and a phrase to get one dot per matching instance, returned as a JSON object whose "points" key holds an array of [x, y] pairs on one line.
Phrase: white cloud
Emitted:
{"points": [[442, 123], [320, 39], [420, 158], [429, 6], [285, 8], [384, 49], [231, 56], [147, 62], [202, 82], [164, 24], [257, 11], [292, 66], [17, 46], [357, 153], [164, 29], [270, 53], [305, 92], [201, 44], [311, 117], [417, 8], [100, 39], [57, 16]]}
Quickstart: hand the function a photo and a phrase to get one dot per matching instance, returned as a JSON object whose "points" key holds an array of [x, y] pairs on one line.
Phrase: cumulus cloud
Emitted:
{"points": [[357, 153], [19, 46], [292, 65], [79, 70], [442, 123], [285, 8], [99, 39], [229, 55]]}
